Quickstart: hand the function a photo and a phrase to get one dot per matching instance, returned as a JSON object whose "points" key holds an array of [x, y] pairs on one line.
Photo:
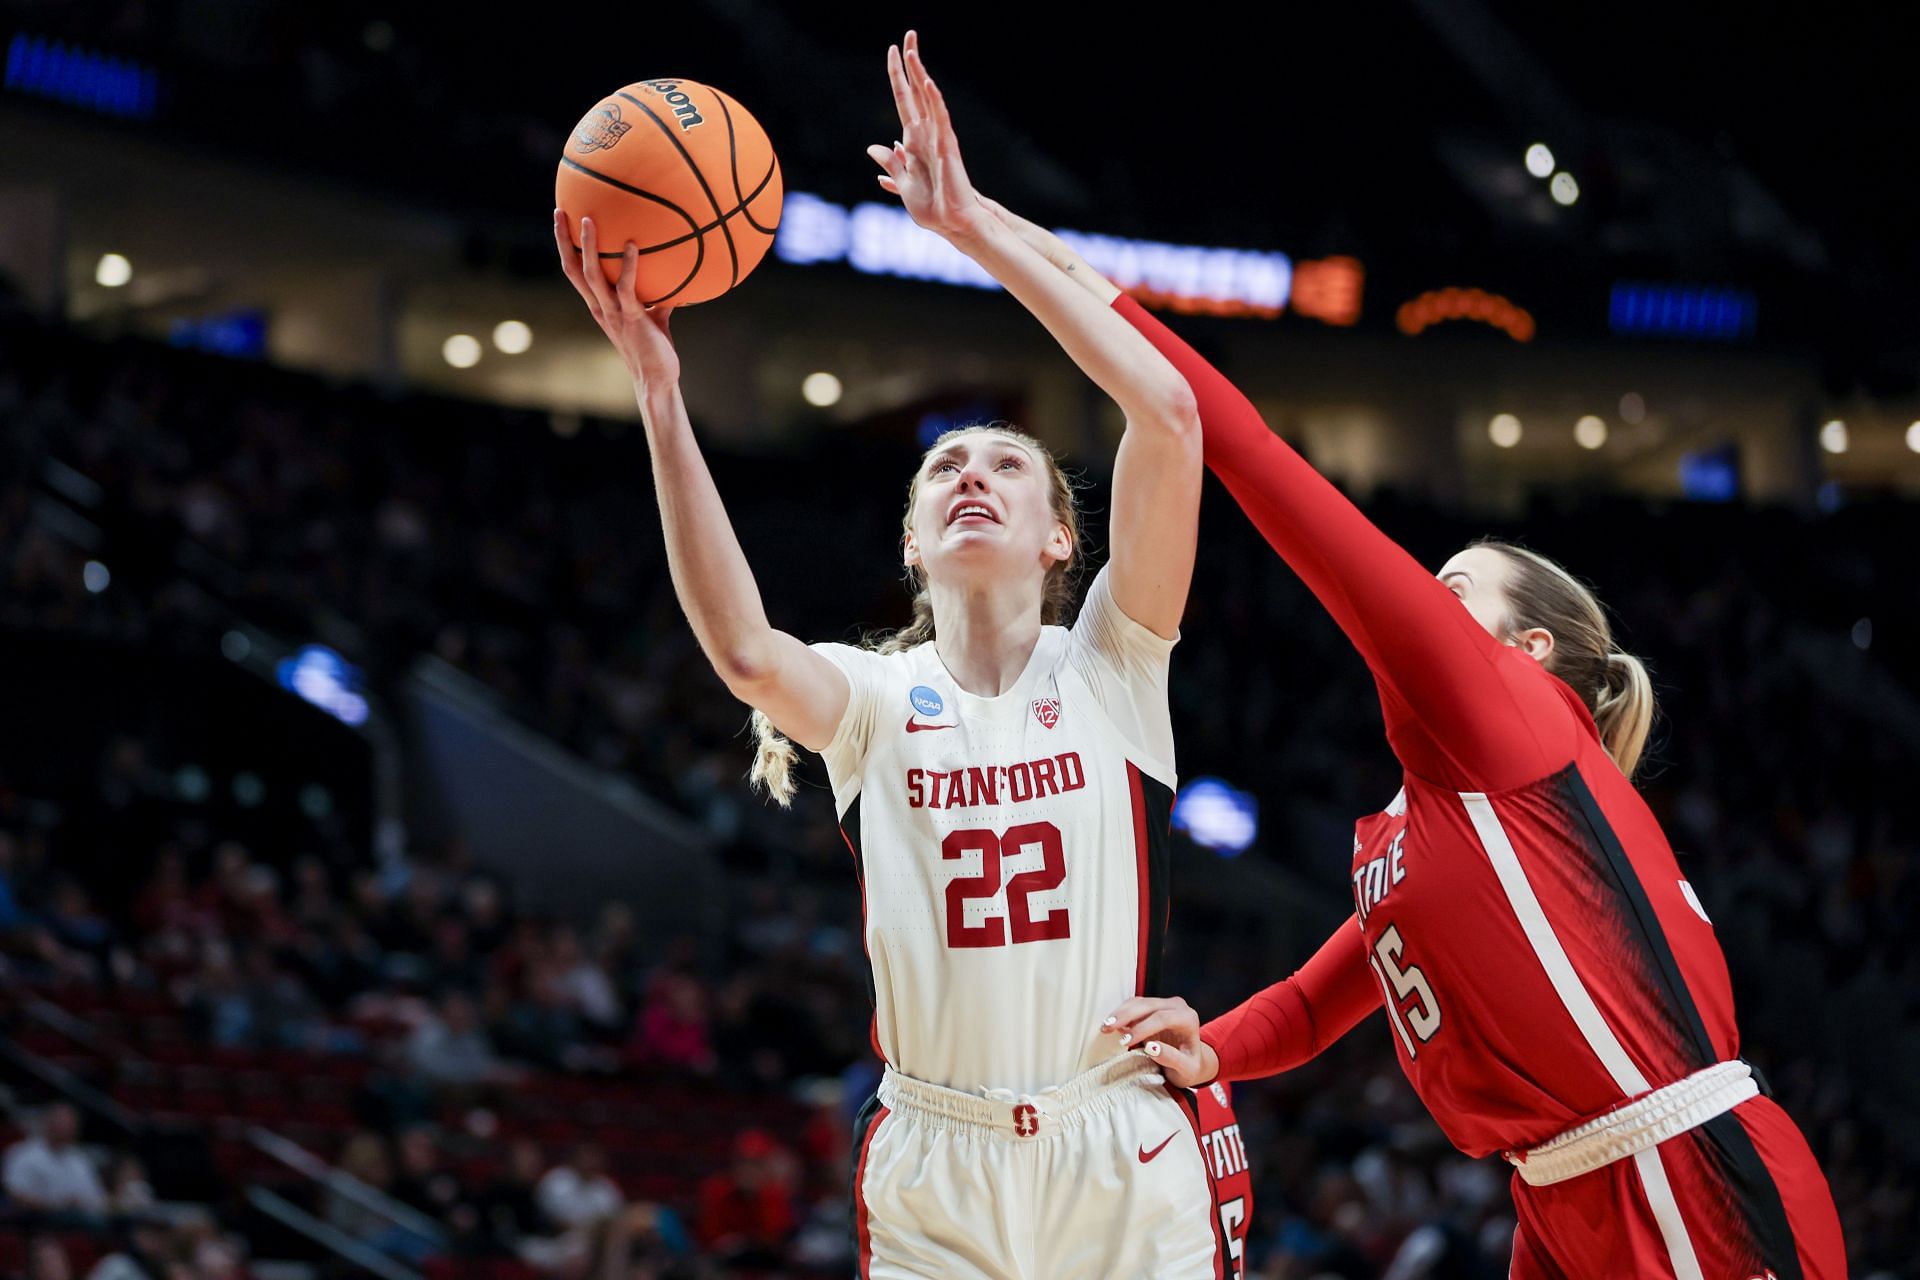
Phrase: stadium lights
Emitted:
{"points": [[113, 270], [1590, 432], [512, 337], [1633, 408], [1833, 437], [820, 390], [95, 577], [1539, 160], [462, 350], [1504, 430], [1913, 437], [1563, 188]]}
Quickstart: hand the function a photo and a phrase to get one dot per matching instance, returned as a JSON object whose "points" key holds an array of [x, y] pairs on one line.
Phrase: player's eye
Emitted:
{"points": [[945, 464], [1009, 462]]}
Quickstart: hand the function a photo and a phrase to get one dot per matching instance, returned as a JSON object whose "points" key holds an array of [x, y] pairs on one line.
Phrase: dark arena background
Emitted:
{"points": [[380, 889]]}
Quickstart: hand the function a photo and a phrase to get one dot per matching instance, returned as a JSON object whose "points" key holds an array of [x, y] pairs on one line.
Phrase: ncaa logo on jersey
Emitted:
{"points": [[927, 702], [1046, 711]]}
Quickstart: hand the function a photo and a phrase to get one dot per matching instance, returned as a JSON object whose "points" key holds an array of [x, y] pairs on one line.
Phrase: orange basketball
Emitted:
{"points": [[684, 172]]}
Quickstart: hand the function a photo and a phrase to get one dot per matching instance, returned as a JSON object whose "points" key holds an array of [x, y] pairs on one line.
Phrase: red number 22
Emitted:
{"points": [[992, 931]]}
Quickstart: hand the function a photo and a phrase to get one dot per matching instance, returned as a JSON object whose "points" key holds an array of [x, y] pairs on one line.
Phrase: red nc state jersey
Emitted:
{"points": [[1540, 953], [1227, 1165]]}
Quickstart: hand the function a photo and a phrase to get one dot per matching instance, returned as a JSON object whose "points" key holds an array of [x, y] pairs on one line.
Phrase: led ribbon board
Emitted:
{"points": [[880, 239]]}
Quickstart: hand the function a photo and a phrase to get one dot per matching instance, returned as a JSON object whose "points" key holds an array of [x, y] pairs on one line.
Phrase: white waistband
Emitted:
{"points": [[1647, 1121], [1019, 1115]]}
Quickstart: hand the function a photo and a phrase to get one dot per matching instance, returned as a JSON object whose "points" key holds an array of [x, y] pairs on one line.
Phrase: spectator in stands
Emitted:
{"points": [[365, 1160], [451, 1048], [672, 1028], [150, 1253], [510, 1204], [577, 1193], [46, 1260], [584, 982], [128, 1191], [746, 1211], [598, 1221], [49, 1173], [426, 1184]]}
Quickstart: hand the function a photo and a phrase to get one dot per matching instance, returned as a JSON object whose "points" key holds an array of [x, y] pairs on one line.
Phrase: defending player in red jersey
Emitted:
{"points": [[1554, 988]]}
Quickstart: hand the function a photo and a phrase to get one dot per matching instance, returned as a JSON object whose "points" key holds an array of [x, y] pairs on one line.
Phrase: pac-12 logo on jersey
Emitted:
{"points": [[1046, 711]]}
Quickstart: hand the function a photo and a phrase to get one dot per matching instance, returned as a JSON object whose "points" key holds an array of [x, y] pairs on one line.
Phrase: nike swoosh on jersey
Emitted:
{"points": [[1146, 1155], [914, 726]]}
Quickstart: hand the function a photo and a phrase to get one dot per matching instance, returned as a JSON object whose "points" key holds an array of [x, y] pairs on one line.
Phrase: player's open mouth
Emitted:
{"points": [[971, 511]]}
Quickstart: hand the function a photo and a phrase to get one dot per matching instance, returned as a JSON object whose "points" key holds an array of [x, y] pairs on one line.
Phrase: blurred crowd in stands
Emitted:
{"points": [[446, 1048]]}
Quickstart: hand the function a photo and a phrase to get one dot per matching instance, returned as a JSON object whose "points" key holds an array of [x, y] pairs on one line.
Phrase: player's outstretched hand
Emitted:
{"points": [[1167, 1030], [638, 332], [924, 167]]}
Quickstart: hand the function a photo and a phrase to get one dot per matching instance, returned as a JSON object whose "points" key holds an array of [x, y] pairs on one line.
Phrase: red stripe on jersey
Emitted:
{"points": [[861, 1230], [1191, 1110], [1142, 860]]}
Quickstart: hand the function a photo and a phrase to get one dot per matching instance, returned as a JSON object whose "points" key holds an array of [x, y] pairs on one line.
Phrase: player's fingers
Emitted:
{"points": [[629, 269], [933, 103], [570, 261], [1161, 1022], [590, 267], [889, 185], [903, 96], [885, 157], [1181, 1066], [1130, 1011], [916, 75]]}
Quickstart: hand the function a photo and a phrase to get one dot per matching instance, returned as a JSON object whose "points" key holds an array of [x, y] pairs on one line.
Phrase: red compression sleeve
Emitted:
{"points": [[1460, 711], [1296, 1020]]}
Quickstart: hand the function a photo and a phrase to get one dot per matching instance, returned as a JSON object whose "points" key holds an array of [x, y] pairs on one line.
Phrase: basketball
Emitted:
{"points": [[685, 173]]}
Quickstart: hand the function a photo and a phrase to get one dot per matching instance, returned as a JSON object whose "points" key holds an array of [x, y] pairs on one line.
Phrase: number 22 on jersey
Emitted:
{"points": [[1020, 924]]}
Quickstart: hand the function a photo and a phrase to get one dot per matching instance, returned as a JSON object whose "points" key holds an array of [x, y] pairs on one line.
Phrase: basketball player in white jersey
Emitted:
{"points": [[1004, 784]]}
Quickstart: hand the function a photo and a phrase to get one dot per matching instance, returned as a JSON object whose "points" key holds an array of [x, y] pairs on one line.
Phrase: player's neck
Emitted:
{"points": [[985, 636]]}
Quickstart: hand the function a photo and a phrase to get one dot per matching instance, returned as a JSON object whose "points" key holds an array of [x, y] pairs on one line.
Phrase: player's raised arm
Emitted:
{"points": [[1157, 471], [1456, 713], [800, 691]]}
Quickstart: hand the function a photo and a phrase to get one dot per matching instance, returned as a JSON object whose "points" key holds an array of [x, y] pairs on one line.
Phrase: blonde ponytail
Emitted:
{"points": [[773, 761], [1623, 710], [1614, 684]]}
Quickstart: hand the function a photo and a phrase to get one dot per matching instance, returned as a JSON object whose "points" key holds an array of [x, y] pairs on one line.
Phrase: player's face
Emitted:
{"points": [[1479, 576], [985, 504]]}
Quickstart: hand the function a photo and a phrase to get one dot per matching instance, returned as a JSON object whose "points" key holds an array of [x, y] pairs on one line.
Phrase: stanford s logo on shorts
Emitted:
{"points": [[1026, 1120]]}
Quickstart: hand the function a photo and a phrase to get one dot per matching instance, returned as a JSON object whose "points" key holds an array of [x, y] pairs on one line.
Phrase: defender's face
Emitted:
{"points": [[1479, 576]]}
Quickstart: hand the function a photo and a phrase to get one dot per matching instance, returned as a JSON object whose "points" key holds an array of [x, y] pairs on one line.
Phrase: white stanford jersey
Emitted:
{"points": [[1011, 851]]}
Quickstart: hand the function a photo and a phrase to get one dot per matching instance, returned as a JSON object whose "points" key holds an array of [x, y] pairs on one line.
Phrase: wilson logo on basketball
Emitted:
{"points": [[600, 130], [1046, 711], [677, 101]]}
